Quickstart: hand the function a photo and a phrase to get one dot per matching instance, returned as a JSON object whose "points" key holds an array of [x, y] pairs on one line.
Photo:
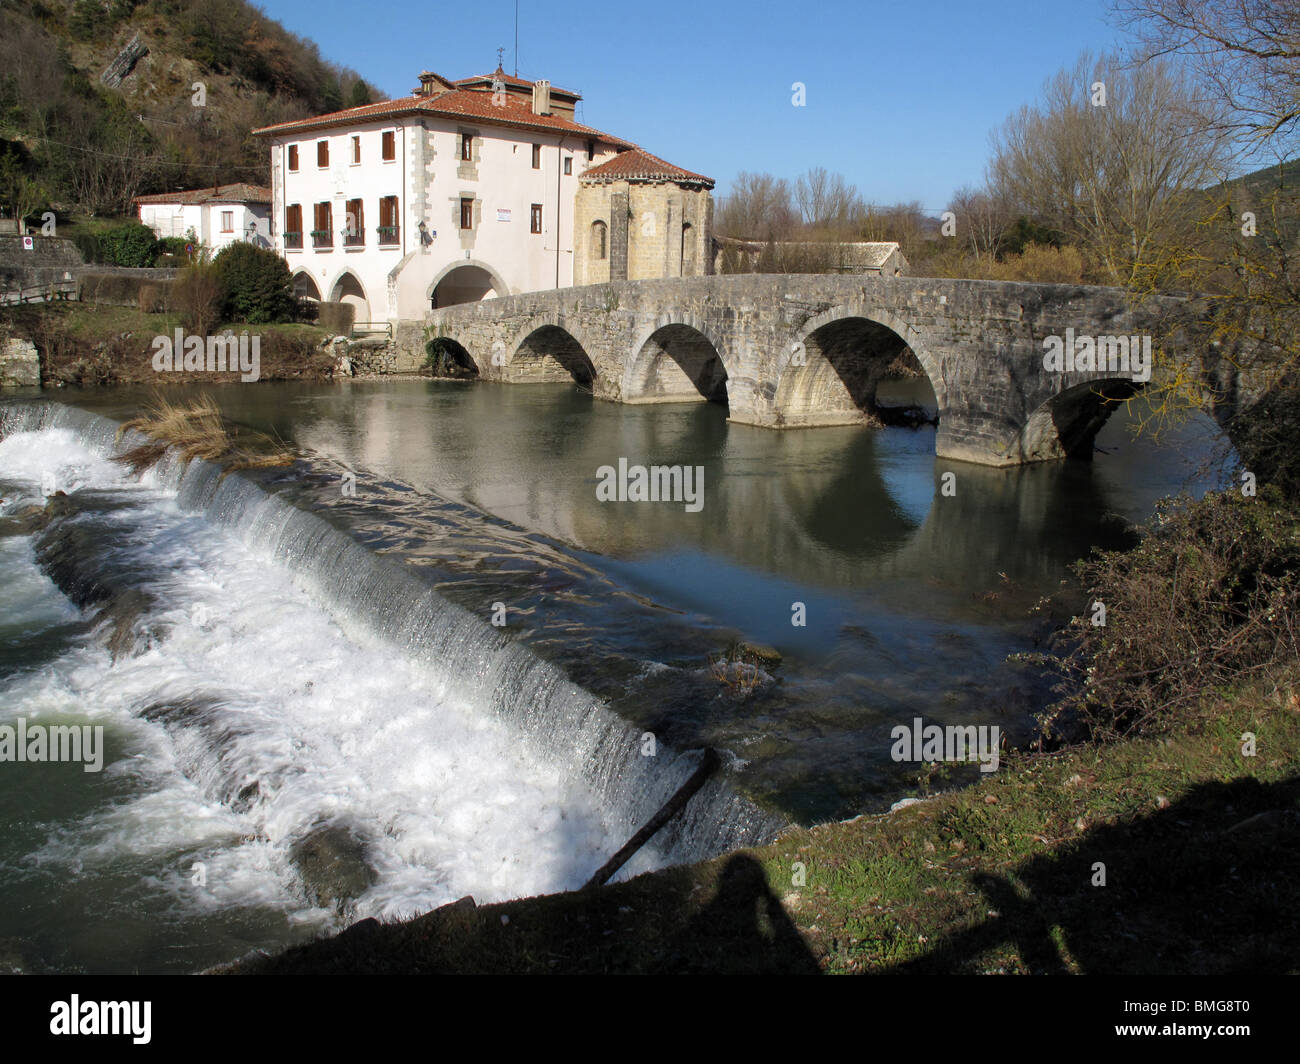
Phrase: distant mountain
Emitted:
{"points": [[1272, 194], [103, 100]]}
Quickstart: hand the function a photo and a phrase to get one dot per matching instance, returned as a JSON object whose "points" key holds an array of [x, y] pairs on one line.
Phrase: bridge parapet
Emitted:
{"points": [[789, 351]]}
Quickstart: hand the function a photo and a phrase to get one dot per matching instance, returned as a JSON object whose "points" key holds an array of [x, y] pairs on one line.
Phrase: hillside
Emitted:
{"points": [[92, 144], [1273, 194]]}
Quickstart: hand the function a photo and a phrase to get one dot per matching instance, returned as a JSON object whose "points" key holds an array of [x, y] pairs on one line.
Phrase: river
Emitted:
{"points": [[316, 649]]}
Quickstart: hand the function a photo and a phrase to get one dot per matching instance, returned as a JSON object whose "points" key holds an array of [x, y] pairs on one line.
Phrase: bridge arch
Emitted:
{"points": [[1065, 425], [836, 363], [549, 351], [676, 360], [448, 357], [465, 281]]}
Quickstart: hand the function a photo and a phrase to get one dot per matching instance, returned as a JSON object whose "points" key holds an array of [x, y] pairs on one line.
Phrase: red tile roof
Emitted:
{"points": [[515, 111], [239, 193], [639, 165]]}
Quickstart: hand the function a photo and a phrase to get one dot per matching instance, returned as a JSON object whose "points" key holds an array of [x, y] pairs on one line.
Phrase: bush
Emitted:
{"points": [[337, 317], [130, 244], [173, 247], [257, 283], [1044, 264], [198, 296], [121, 290], [1209, 597], [88, 245]]}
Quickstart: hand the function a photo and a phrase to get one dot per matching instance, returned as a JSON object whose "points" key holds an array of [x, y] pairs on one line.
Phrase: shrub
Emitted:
{"points": [[1044, 264], [337, 317], [199, 296], [119, 289], [257, 283], [130, 244], [1210, 597], [86, 19], [150, 298], [173, 247], [88, 245]]}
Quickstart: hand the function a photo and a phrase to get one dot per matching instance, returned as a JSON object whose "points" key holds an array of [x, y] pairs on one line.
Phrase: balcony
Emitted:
{"points": [[388, 234], [292, 241], [322, 238], [354, 238]]}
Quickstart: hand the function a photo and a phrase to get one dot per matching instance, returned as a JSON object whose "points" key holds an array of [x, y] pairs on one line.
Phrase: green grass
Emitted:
{"points": [[997, 877]]}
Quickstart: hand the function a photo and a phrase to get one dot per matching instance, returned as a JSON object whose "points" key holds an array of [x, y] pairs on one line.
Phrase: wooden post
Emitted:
{"points": [[670, 809]]}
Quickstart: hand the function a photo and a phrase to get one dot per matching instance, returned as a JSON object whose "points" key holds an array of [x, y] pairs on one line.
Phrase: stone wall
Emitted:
{"points": [[20, 364], [645, 238]]}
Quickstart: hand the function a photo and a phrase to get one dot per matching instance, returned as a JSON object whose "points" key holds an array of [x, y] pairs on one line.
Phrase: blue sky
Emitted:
{"points": [[901, 97]]}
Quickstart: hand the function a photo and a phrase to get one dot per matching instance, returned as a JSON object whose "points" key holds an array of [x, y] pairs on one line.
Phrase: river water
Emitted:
{"points": [[317, 647]]}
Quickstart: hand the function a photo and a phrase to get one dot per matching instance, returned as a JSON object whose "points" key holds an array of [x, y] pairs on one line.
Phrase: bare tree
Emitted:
{"points": [[1247, 52], [758, 206], [827, 202], [1110, 158], [982, 220]]}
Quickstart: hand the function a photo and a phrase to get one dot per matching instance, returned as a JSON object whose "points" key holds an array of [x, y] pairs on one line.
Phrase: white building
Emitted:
{"points": [[464, 190], [213, 217]]}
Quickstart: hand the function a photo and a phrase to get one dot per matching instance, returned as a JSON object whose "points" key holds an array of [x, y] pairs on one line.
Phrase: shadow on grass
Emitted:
{"points": [[674, 921], [1210, 884], [743, 929]]}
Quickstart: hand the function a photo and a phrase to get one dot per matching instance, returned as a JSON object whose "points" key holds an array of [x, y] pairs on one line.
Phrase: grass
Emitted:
{"points": [[196, 429], [1200, 843]]}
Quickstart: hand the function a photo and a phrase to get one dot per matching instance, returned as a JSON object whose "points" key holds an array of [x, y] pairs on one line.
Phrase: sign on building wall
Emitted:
{"points": [[503, 214]]}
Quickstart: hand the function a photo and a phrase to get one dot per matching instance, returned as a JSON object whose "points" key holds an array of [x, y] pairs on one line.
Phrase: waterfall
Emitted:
{"points": [[464, 659]]}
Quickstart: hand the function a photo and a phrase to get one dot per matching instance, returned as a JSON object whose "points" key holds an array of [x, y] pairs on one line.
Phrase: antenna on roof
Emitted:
{"points": [[516, 38]]}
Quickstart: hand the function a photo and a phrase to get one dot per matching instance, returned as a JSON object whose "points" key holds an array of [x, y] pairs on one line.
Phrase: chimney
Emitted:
{"points": [[541, 97], [427, 81]]}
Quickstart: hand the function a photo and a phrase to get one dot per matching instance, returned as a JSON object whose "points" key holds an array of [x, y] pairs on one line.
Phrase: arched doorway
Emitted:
{"points": [[348, 289], [465, 284], [305, 287]]}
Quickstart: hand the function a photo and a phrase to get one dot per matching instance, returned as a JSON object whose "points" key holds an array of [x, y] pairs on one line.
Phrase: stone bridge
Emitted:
{"points": [[792, 351]]}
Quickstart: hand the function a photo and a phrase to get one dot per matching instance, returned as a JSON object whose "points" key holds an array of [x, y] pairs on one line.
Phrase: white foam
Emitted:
{"points": [[332, 726]]}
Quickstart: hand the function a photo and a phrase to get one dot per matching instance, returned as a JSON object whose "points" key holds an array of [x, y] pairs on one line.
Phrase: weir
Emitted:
{"points": [[467, 660]]}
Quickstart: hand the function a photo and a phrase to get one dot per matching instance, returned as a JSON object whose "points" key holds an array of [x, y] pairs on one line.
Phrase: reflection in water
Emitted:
{"points": [[912, 598]]}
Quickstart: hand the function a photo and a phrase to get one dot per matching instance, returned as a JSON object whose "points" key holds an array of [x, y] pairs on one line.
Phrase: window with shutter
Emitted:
{"points": [[355, 228], [293, 227], [322, 235], [389, 226]]}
